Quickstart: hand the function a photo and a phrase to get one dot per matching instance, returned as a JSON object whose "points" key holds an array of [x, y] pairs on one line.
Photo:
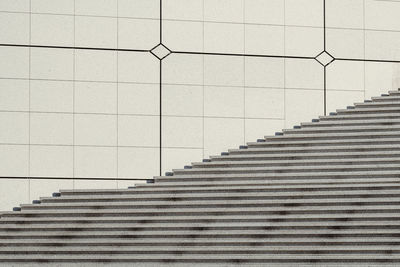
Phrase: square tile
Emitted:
{"points": [[138, 33], [139, 8], [223, 38], [15, 128], [57, 30], [45, 188], [221, 134], [177, 158], [13, 198], [96, 183], [304, 12], [52, 161], [137, 162], [15, 5], [138, 98], [224, 10], [224, 70], [341, 99], [183, 9], [304, 74], [99, 130], [224, 101], [380, 78], [138, 131], [14, 62], [182, 69], [382, 45], [94, 97], [96, 32], [343, 43], [304, 41], [138, 67], [302, 106], [382, 15], [51, 96], [264, 39], [183, 35], [182, 100], [95, 65], [17, 29], [258, 128], [345, 75], [96, 7], [52, 63], [14, 160], [345, 14], [265, 103], [54, 129], [265, 12], [264, 72], [95, 162], [52, 6], [182, 132], [14, 95]]}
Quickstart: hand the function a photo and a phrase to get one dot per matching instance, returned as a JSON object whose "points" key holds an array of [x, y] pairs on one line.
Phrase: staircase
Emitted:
{"points": [[326, 192]]}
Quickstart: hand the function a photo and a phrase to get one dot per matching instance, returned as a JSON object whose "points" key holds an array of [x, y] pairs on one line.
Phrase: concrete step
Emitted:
{"points": [[365, 117], [293, 250], [377, 104], [156, 212], [108, 202], [211, 260], [274, 176], [390, 98], [203, 233], [286, 169], [371, 136], [171, 206], [343, 129], [207, 219], [270, 155], [294, 162], [325, 124], [302, 147], [369, 110]]}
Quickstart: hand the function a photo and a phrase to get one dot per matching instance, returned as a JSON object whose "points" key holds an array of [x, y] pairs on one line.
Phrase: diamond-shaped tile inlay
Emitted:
{"points": [[160, 51], [324, 58]]}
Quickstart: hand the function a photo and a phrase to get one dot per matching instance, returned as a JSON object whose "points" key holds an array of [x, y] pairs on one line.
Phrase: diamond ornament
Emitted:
{"points": [[324, 58], [160, 51]]}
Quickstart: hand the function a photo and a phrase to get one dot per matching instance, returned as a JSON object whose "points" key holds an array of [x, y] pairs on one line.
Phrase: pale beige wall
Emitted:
{"points": [[95, 113]]}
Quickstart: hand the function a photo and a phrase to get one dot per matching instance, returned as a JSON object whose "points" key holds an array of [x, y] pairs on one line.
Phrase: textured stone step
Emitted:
{"points": [[342, 129], [325, 124], [293, 162], [266, 177], [302, 147], [286, 169], [374, 136], [204, 204], [206, 260], [369, 110], [294, 154], [377, 104], [364, 117]]}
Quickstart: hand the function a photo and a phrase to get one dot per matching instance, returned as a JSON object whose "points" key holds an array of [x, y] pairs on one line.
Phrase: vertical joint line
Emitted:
{"points": [[324, 17], [324, 90], [161, 21], [160, 95]]}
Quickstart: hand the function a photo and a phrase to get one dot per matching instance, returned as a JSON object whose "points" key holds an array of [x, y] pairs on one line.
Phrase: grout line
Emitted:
{"points": [[117, 95], [203, 87], [29, 101], [73, 104]]}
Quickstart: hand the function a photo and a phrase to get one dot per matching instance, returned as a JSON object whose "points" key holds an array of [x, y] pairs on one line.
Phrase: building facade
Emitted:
{"points": [[128, 89]]}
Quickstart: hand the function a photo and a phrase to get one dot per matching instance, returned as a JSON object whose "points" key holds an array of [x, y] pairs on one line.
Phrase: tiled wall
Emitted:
{"points": [[81, 95]]}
